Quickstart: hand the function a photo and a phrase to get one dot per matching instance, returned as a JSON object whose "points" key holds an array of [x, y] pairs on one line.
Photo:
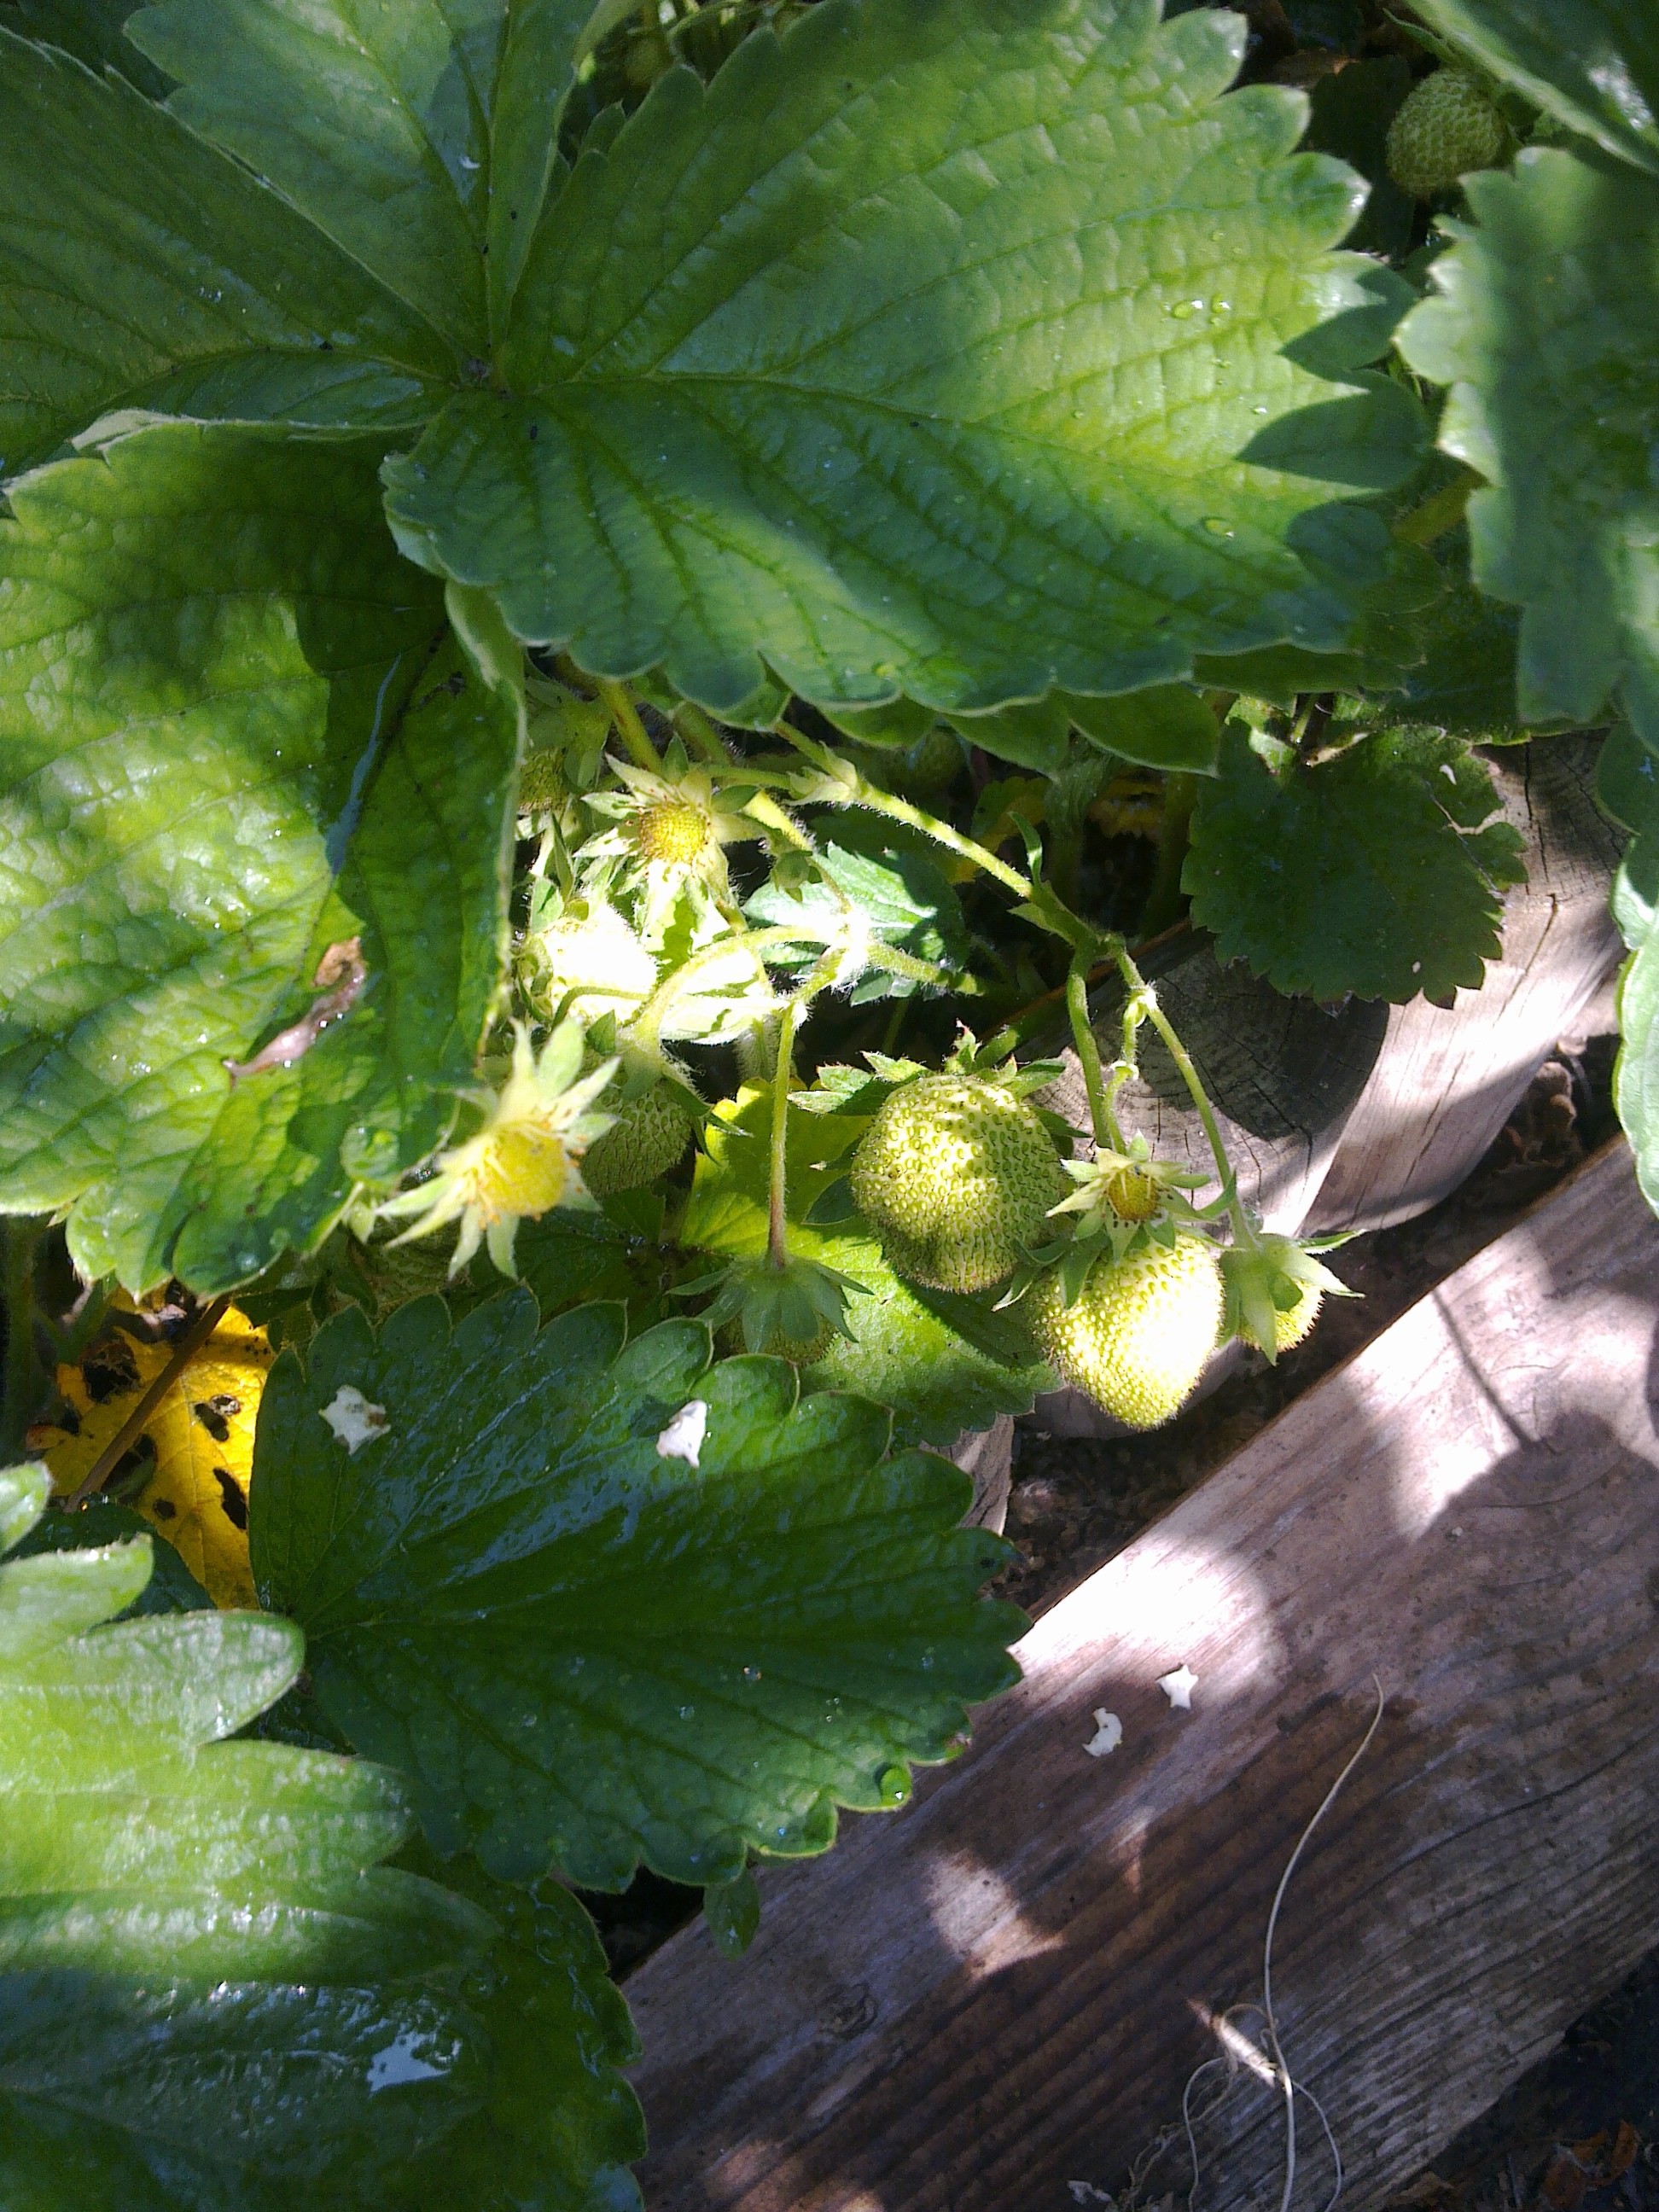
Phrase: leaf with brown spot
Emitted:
{"points": [[200, 1431]]}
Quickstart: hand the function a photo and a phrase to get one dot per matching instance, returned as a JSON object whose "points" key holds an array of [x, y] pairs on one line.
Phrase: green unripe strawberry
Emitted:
{"points": [[1274, 1289], [1447, 126], [541, 780], [648, 1137], [1292, 1322], [956, 1175], [1140, 1334], [798, 1351]]}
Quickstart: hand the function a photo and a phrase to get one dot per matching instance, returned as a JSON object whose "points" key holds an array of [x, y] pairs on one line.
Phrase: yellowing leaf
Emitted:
{"points": [[202, 1432]]}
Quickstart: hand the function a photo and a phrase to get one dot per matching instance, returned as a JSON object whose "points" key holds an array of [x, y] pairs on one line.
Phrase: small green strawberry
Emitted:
{"points": [[789, 1312], [1140, 1331], [648, 1137], [541, 780], [1447, 126], [956, 1175], [1274, 1289]]}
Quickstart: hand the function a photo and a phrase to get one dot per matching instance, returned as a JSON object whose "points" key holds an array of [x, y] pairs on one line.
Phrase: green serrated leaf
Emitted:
{"points": [[902, 894], [604, 1603], [847, 368], [1558, 364], [900, 723], [210, 1994], [239, 737], [1396, 609], [1375, 873], [1593, 64], [1636, 891], [568, 1257], [422, 138], [141, 271], [942, 1364], [1465, 682], [733, 1910], [1036, 734]]}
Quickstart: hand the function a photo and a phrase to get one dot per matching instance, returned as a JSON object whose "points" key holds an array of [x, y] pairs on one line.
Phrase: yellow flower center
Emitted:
{"points": [[672, 830], [1133, 1195], [520, 1170]]}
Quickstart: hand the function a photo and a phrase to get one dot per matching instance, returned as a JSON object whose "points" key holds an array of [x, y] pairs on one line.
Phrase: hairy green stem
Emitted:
{"points": [[699, 733], [1124, 1067], [1164, 900], [23, 1377], [621, 708], [1141, 990], [765, 809], [1108, 1135], [860, 792], [777, 1228]]}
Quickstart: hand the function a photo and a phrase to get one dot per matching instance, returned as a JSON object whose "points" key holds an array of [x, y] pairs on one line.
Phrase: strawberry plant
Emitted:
{"points": [[610, 621]]}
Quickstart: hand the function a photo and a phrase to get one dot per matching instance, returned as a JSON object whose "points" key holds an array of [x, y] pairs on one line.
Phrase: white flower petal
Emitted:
{"points": [[1108, 1733], [683, 1438], [353, 1420], [1178, 1685]]}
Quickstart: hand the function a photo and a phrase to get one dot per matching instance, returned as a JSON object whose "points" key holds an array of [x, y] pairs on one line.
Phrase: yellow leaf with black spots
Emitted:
{"points": [[198, 1436]]}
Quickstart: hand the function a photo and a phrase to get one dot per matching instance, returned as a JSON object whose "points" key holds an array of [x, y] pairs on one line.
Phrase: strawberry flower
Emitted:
{"points": [[522, 1160]]}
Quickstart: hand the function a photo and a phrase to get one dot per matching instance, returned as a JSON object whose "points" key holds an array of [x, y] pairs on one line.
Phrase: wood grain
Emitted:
{"points": [[999, 1993]]}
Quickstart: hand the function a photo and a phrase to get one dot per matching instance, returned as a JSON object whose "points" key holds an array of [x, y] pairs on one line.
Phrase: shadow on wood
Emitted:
{"points": [[999, 1994]]}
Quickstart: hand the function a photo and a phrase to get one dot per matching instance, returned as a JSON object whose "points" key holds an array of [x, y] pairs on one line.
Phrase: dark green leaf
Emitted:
{"points": [[899, 724], [732, 1910], [1465, 682], [1547, 331], [568, 1257], [211, 1997], [236, 731], [1396, 608], [577, 1645], [1375, 873], [1035, 735], [420, 137], [1167, 727], [1350, 116], [1593, 64], [850, 368], [140, 270], [95, 31], [1627, 781]]}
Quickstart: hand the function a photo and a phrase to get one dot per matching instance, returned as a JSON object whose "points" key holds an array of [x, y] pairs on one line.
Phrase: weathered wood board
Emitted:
{"points": [[992, 2001]]}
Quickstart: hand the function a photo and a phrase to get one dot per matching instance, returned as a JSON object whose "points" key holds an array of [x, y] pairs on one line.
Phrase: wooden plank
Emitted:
{"points": [[999, 1993]]}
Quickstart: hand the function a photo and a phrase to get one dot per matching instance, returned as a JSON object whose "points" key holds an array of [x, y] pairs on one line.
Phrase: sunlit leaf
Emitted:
{"points": [[957, 353]]}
